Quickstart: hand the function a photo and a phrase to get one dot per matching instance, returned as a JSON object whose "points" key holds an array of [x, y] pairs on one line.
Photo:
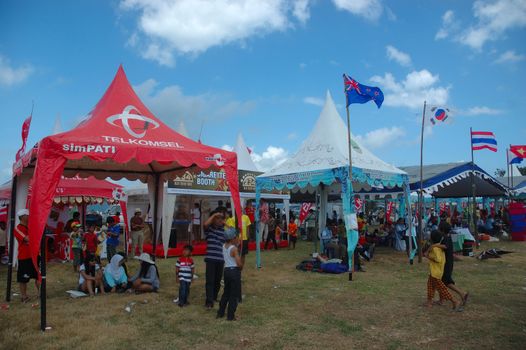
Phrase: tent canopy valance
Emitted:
{"points": [[453, 180]]}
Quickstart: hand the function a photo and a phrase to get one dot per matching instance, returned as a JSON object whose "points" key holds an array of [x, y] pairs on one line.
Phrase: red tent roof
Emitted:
{"points": [[74, 186], [119, 138]]}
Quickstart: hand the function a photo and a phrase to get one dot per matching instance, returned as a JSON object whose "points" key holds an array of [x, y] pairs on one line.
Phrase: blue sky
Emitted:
{"points": [[262, 68]]}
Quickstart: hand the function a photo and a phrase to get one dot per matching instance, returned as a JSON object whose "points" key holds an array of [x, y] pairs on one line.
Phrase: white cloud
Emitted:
{"points": [[448, 25], [10, 75], [510, 57], [301, 10], [417, 87], [227, 148], [369, 9], [172, 105], [270, 158], [494, 19], [303, 65], [481, 110], [316, 101], [398, 56], [167, 28], [381, 137]]}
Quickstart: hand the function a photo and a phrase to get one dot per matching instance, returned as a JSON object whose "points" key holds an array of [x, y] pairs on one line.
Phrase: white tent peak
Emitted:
{"points": [[326, 148], [181, 129], [57, 127], [244, 161]]}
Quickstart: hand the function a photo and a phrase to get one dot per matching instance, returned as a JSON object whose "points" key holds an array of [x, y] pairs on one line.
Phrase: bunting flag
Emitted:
{"points": [[358, 203], [483, 140], [304, 211], [25, 133]]}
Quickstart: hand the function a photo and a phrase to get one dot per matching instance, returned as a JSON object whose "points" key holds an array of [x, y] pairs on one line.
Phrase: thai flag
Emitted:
{"points": [[483, 140]]}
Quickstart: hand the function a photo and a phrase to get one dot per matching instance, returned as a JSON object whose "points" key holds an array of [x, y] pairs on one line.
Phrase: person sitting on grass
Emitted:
{"points": [[184, 269], [437, 260], [293, 233], [90, 276], [147, 278], [232, 272], [115, 276]]}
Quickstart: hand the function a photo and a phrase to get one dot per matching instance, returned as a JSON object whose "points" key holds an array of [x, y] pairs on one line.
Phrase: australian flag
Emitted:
{"points": [[358, 93]]}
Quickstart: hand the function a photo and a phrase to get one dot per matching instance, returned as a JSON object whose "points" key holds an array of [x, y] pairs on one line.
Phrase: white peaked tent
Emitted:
{"points": [[322, 164], [244, 161], [181, 129]]}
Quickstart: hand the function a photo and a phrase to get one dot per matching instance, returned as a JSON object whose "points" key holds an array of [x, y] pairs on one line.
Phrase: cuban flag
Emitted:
{"points": [[483, 140]]}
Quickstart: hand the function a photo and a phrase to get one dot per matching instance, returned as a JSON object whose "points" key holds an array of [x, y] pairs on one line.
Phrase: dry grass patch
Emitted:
{"points": [[288, 309]]}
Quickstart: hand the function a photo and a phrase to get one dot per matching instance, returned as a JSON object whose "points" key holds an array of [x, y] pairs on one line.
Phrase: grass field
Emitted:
{"points": [[287, 309]]}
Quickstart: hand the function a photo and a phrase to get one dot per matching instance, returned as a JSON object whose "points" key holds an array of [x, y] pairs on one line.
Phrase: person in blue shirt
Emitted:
{"points": [[115, 277], [112, 240]]}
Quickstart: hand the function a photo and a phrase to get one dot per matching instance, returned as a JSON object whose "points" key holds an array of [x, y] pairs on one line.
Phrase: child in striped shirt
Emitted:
{"points": [[184, 268]]}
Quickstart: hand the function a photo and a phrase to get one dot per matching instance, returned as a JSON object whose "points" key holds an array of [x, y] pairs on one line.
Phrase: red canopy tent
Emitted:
{"points": [[120, 138], [88, 190]]}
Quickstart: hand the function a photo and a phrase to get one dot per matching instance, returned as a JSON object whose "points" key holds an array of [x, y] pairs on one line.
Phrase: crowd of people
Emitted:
{"points": [[226, 252]]}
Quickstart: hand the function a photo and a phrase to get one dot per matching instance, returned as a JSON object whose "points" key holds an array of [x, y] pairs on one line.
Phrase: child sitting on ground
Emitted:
{"points": [[184, 268], [232, 273], [437, 260]]}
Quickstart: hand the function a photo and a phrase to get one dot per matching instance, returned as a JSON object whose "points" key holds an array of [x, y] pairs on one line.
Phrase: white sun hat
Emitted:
{"points": [[146, 258]]}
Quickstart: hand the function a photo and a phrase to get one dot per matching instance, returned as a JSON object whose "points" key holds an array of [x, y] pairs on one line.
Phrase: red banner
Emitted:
{"points": [[25, 133], [358, 203], [388, 212], [304, 211]]}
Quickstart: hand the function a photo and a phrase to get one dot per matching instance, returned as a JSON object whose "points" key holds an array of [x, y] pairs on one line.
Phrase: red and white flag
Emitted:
{"points": [[25, 133], [304, 211], [358, 203], [389, 211]]}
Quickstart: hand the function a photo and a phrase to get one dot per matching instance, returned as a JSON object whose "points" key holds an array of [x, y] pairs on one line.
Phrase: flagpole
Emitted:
{"points": [[511, 167], [350, 258], [473, 189], [421, 193], [508, 169]]}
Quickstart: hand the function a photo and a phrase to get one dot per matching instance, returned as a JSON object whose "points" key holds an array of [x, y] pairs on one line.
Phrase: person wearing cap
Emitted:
{"points": [[232, 272], [76, 246], [215, 238], [137, 231], [147, 278], [72, 222], [26, 269]]}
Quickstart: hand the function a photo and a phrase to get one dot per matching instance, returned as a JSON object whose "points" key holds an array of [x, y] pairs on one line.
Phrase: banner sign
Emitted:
{"points": [[304, 211], [215, 180]]}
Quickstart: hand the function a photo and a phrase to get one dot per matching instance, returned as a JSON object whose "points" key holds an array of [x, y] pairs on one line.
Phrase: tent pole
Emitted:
{"points": [[12, 209], [473, 189], [421, 193], [155, 210], [43, 305]]}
